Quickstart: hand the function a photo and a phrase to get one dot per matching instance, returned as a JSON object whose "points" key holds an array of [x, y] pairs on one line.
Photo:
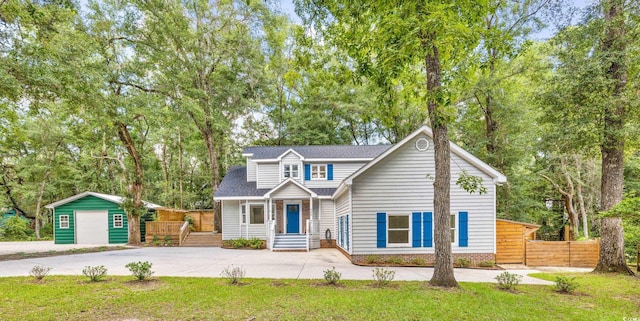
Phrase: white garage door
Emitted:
{"points": [[92, 227]]}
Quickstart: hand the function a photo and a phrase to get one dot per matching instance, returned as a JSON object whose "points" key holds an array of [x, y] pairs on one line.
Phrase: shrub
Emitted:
{"points": [[332, 276], [167, 240], [372, 259], [565, 284], [16, 228], [95, 273], [382, 276], [38, 272], [190, 221], [394, 260], [156, 240], [46, 231], [233, 274], [488, 263], [241, 242], [140, 270], [418, 261], [463, 262], [255, 243], [227, 243], [508, 281]]}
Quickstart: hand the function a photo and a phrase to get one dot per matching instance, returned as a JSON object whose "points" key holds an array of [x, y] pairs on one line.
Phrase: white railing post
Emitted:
{"points": [[307, 238], [272, 234]]}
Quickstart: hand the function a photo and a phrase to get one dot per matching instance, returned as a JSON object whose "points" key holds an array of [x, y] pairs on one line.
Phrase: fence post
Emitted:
{"points": [[638, 258]]}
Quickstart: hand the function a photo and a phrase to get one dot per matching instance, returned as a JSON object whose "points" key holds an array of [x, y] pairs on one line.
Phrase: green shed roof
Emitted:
{"points": [[106, 197]]}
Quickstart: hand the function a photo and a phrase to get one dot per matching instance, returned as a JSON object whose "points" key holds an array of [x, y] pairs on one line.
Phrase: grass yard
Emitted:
{"points": [[598, 297]]}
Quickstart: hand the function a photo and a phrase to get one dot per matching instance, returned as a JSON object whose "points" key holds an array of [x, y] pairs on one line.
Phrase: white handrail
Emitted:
{"points": [[308, 234], [272, 234]]}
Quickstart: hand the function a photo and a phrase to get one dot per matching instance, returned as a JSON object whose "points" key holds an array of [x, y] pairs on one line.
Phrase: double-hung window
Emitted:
{"points": [[319, 172], [452, 225], [118, 221], [64, 221], [398, 229], [256, 214], [290, 171]]}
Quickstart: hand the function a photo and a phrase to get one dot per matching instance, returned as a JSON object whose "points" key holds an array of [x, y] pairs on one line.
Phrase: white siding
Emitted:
{"points": [[399, 184], [326, 218], [251, 170], [292, 158], [230, 220], [290, 191], [231, 227], [268, 175], [342, 208], [341, 170]]}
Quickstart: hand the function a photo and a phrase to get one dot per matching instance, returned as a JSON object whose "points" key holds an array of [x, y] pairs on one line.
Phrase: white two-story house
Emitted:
{"points": [[364, 200]]}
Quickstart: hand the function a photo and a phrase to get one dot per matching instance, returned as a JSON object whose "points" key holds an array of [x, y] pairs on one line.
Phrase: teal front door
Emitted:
{"points": [[293, 218]]}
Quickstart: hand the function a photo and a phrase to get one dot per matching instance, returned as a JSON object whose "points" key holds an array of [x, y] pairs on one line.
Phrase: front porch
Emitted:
{"points": [[294, 225]]}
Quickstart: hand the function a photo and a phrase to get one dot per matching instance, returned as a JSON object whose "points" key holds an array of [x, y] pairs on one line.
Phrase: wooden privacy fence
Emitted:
{"points": [[563, 253], [177, 231], [202, 219]]}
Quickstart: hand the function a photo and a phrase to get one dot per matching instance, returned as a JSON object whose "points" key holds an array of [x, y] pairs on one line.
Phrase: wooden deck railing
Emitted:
{"points": [[177, 231]]}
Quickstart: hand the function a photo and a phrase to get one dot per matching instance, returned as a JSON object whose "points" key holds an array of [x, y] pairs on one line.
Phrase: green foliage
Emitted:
{"points": [[15, 228], [397, 260], [331, 276], [233, 274], [253, 242], [95, 273], [565, 284], [140, 270], [383, 276], [373, 259], [156, 240], [508, 281], [419, 261], [470, 183], [167, 240], [463, 262], [488, 263], [38, 272]]}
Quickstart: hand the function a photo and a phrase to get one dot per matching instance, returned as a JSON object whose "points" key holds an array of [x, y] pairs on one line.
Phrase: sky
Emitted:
{"points": [[288, 8]]}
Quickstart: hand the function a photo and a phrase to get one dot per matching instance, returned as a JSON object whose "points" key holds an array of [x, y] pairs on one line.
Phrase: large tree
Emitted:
{"points": [[392, 41]]}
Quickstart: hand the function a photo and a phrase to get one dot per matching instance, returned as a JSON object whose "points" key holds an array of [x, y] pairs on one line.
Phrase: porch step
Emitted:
{"points": [[203, 239], [288, 242]]}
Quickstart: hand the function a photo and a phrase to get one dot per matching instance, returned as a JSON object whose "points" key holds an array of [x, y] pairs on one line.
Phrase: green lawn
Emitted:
{"points": [[118, 298]]}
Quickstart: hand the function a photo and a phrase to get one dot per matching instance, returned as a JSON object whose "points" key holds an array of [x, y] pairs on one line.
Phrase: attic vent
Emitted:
{"points": [[422, 144]]}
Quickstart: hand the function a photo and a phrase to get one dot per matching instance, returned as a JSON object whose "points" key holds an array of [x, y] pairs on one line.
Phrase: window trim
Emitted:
{"points": [[284, 170], [67, 220], [243, 213], [454, 228], [408, 229], [121, 221], [263, 213], [317, 166]]}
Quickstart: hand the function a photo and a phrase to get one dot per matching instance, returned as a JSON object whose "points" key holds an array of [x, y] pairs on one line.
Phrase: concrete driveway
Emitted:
{"points": [[209, 262]]}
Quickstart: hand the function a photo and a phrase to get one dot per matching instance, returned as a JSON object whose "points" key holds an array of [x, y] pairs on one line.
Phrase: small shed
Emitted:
{"points": [[511, 238], [93, 218]]}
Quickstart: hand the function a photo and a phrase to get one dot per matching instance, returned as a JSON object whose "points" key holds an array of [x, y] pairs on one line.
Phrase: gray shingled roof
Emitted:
{"points": [[235, 184], [324, 151]]}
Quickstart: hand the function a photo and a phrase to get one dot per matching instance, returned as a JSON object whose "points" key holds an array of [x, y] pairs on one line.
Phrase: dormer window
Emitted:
{"points": [[291, 171], [319, 171]]}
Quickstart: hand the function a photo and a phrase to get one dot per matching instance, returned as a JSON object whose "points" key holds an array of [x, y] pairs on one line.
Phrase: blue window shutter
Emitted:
{"points": [[382, 229], [346, 221], [416, 226], [307, 172], [463, 232], [329, 172], [427, 227]]}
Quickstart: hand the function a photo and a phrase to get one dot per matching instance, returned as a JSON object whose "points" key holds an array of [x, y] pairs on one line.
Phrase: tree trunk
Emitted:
{"points": [[581, 205], [443, 269], [180, 169], [133, 214], [613, 46]]}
